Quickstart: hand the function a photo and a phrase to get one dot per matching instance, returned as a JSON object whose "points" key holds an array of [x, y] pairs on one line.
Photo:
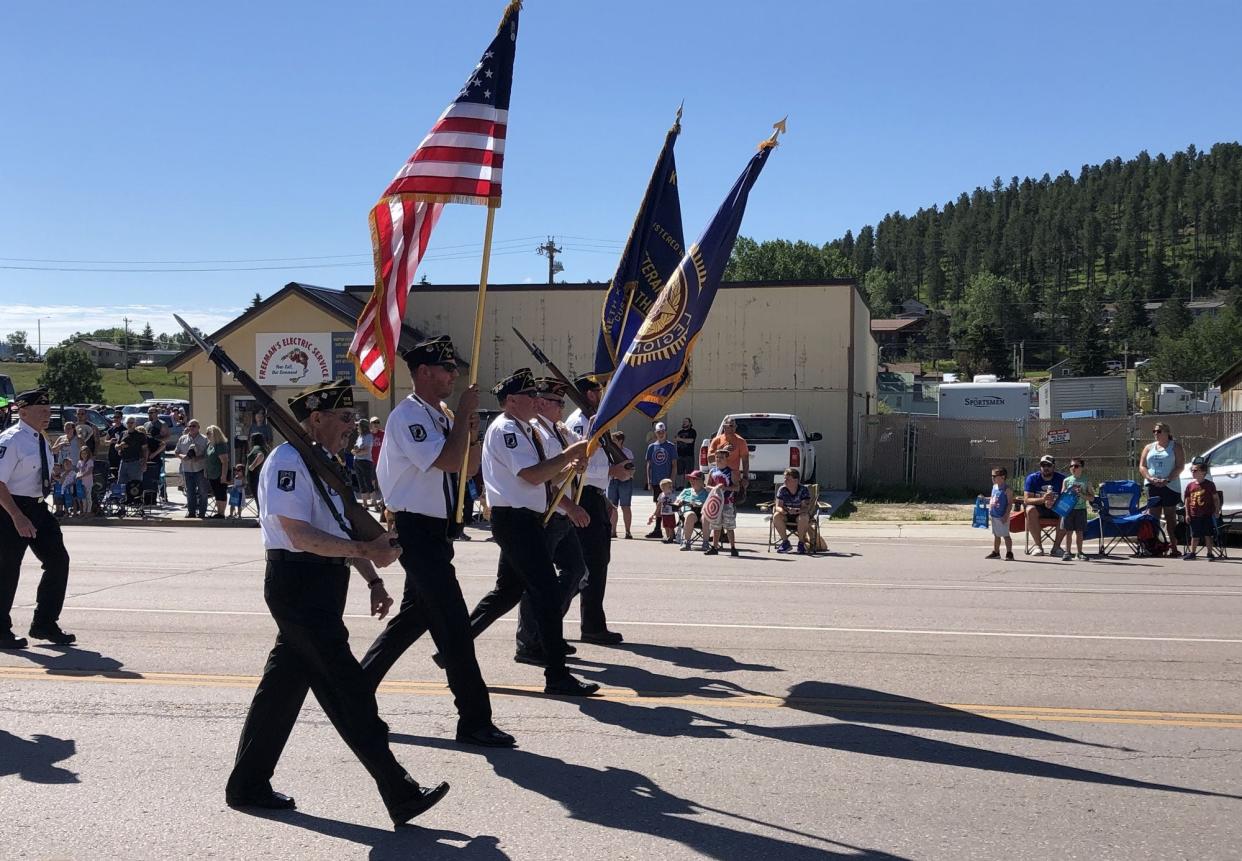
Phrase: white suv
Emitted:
{"points": [[1225, 469]]}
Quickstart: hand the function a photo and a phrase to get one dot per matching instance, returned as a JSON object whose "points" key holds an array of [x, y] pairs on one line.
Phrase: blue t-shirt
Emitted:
{"points": [[1036, 484], [661, 459], [999, 504]]}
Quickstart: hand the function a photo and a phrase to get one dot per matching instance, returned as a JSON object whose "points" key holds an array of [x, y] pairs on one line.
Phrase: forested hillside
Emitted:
{"points": [[1037, 259]]}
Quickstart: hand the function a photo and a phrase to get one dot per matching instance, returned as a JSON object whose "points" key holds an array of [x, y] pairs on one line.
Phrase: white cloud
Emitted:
{"points": [[61, 321]]}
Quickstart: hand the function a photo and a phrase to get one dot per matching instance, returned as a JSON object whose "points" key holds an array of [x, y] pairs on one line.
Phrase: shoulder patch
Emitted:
{"points": [[510, 440], [418, 432], [286, 479]]}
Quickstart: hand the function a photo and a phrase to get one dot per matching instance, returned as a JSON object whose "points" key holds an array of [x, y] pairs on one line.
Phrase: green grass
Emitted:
{"points": [[117, 390]]}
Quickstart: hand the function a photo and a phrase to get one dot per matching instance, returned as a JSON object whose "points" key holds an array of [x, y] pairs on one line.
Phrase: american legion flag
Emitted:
{"points": [[459, 161], [655, 247], [660, 351]]}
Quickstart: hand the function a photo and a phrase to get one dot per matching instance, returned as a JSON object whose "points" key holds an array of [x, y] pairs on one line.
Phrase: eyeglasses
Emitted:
{"points": [[345, 417], [551, 400], [448, 366], [1075, 466], [1196, 469], [1156, 430], [192, 425]]}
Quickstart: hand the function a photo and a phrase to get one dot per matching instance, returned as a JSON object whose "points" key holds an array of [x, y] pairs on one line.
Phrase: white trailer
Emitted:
{"points": [[996, 401], [1105, 395]]}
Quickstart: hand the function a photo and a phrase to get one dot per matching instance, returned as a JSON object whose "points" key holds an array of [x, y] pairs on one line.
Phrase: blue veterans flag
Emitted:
{"points": [[652, 253], [660, 350]]}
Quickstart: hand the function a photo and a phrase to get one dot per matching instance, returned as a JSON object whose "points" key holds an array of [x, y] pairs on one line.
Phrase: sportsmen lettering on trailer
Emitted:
{"points": [[1003, 401]]}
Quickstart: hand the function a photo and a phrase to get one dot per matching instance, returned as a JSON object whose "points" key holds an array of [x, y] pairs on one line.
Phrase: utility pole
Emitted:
{"points": [[1021, 359], [125, 347], [549, 249]]}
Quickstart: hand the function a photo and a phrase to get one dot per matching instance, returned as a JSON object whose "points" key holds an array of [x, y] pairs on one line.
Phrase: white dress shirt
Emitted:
{"points": [[413, 439], [285, 488], [507, 450], [20, 467], [597, 467]]}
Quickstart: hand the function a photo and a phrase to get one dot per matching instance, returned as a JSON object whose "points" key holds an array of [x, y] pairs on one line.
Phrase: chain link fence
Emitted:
{"points": [[931, 456]]}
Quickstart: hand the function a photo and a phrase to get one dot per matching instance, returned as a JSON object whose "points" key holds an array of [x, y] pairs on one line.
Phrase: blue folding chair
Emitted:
{"points": [[1120, 517]]}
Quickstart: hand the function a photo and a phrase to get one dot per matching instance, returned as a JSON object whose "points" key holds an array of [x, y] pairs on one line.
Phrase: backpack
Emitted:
{"points": [[1148, 541]]}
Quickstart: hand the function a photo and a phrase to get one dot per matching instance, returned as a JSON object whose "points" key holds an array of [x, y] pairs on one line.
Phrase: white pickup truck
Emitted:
{"points": [[776, 442]]}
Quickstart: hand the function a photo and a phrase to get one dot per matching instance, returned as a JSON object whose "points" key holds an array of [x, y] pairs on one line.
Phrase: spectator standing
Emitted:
{"points": [[664, 515], [661, 461], [1039, 493], [721, 481], [687, 436], [259, 425], [1201, 509], [192, 451], [999, 506], [1160, 464], [216, 468], [131, 449], [87, 433], [86, 480], [1075, 523], [237, 491], [737, 451], [159, 438], [112, 436], [621, 491], [364, 467], [254, 462], [68, 445]]}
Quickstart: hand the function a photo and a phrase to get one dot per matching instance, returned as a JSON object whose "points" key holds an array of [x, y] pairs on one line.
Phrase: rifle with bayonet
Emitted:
{"points": [[610, 447], [365, 527]]}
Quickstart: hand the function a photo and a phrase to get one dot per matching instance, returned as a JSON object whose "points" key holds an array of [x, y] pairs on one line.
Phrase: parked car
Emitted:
{"points": [[8, 393], [56, 423], [1141, 363], [1114, 367], [1225, 470], [776, 441]]}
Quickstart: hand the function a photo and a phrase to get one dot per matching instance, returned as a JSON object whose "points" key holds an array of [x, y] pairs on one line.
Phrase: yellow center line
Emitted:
{"points": [[828, 707]]}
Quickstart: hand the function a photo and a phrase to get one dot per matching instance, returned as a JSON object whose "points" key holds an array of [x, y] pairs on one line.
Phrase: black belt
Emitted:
{"points": [[304, 558], [598, 490], [27, 501]]}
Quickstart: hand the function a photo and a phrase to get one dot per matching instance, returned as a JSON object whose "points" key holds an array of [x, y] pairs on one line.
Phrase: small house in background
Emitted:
{"points": [[1230, 383], [1061, 370], [896, 335], [103, 354]]}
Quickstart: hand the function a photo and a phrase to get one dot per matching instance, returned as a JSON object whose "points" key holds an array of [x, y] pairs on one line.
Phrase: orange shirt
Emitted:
{"points": [[734, 460]]}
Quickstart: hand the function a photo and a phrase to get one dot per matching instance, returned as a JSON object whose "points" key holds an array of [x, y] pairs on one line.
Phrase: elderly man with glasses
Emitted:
{"points": [[192, 451]]}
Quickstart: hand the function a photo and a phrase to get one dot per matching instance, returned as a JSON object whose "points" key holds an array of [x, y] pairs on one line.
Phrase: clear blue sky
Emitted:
{"points": [[144, 131]]}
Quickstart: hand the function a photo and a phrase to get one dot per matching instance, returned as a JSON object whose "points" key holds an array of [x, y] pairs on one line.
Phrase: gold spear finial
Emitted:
{"points": [[778, 128]]}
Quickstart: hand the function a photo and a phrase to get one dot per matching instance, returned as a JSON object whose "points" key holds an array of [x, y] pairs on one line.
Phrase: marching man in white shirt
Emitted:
{"points": [[516, 474], [25, 522], [423, 447], [309, 550], [596, 536]]}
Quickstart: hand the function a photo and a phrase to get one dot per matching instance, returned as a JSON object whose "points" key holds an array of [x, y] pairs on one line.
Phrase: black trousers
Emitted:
{"points": [[525, 567], [596, 541], [48, 546], [562, 539], [432, 601], [307, 601]]}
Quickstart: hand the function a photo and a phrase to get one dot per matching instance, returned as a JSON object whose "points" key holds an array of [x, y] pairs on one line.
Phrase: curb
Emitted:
{"points": [[228, 523]]}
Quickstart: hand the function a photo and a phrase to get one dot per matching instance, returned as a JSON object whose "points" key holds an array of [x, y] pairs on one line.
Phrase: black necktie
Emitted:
{"points": [[547, 486], [43, 470]]}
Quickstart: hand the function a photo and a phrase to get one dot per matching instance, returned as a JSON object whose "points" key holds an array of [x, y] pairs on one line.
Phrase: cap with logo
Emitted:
{"points": [[1048, 460], [550, 386], [433, 351], [31, 398], [586, 383], [660, 426], [332, 395], [520, 382]]}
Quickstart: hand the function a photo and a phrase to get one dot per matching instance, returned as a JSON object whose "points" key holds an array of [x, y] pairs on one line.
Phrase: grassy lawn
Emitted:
{"points": [[117, 390]]}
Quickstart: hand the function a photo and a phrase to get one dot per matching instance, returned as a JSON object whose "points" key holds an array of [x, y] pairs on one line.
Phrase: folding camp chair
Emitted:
{"points": [[679, 532], [814, 509], [1120, 518], [1047, 526]]}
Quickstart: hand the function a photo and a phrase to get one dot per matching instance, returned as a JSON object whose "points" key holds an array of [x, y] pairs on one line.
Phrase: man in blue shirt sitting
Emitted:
{"points": [[1039, 493]]}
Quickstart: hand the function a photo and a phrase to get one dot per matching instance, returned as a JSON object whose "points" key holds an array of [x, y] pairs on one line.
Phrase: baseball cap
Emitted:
{"points": [[694, 473], [1048, 459], [661, 426]]}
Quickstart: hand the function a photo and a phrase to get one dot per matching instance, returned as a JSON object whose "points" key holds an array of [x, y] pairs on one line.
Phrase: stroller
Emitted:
{"points": [[124, 499]]}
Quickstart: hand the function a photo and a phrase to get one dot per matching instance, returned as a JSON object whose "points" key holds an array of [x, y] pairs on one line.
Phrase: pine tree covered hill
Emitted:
{"points": [[1120, 233]]}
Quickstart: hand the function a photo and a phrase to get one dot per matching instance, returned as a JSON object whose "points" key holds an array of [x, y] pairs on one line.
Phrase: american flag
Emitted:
{"points": [[459, 161]]}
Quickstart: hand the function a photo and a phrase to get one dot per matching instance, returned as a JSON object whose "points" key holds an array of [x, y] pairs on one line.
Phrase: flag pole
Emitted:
{"points": [[462, 476]]}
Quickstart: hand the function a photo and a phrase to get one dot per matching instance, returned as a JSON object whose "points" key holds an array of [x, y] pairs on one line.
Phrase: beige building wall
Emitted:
{"points": [[779, 348]]}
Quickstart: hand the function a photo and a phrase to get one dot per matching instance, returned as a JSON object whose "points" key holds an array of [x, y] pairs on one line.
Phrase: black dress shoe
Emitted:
{"points": [[423, 800], [439, 661], [53, 634], [602, 638], [270, 801], [8, 641], [568, 686], [528, 656], [570, 650], [655, 533], [488, 736]]}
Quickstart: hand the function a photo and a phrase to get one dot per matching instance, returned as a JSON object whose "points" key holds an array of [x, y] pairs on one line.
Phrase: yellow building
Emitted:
{"points": [[799, 347]]}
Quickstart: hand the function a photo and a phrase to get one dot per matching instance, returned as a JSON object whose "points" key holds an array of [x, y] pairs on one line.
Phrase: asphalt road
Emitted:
{"points": [[901, 698]]}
